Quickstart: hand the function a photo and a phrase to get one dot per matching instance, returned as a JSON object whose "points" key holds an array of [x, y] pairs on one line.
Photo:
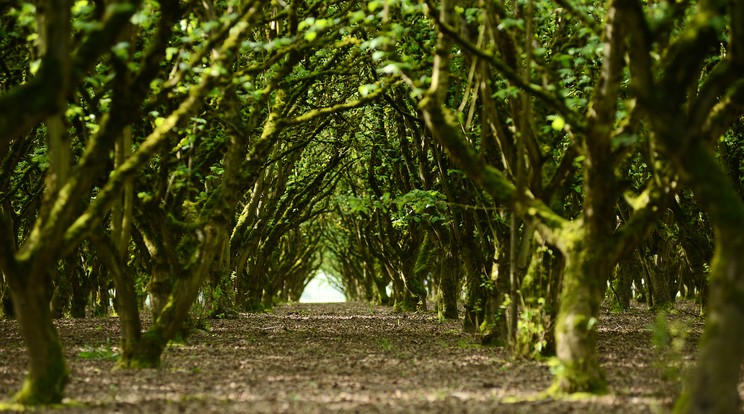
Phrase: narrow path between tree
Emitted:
{"points": [[344, 357]]}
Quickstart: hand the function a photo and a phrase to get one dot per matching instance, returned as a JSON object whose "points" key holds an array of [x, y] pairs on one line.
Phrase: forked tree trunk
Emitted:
{"points": [[160, 287]]}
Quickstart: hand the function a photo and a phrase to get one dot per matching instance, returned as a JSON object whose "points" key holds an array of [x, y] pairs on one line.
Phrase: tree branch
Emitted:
{"points": [[637, 228], [689, 51], [640, 43], [315, 113], [27, 105], [532, 89]]}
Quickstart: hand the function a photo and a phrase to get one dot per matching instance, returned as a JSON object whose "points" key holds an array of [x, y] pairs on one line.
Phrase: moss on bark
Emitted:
{"points": [[145, 353], [579, 369], [47, 387], [48, 373]]}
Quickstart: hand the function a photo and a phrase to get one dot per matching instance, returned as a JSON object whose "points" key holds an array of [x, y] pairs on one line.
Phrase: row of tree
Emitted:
{"points": [[526, 159]]}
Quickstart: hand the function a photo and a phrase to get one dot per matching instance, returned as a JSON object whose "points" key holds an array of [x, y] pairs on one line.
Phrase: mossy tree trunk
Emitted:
{"points": [[47, 371], [555, 275], [494, 329], [663, 262], [80, 287], [592, 246], [126, 296], [31, 269], [449, 283], [713, 384], [167, 323], [622, 283], [62, 290], [478, 271], [539, 292], [697, 247], [582, 293], [422, 268], [414, 296], [381, 284], [448, 276]]}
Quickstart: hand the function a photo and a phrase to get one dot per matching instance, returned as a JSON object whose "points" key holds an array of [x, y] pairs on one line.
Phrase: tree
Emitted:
{"points": [[590, 244], [698, 95], [61, 69]]}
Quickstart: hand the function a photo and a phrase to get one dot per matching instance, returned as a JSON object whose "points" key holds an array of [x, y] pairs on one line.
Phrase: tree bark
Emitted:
{"points": [[575, 331], [47, 371], [713, 384], [131, 328], [448, 286]]}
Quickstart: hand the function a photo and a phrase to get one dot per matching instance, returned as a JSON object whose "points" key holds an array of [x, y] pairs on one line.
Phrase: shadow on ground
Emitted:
{"points": [[345, 357]]}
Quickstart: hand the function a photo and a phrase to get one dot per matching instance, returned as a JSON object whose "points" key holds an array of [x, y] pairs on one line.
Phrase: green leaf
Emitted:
{"points": [[306, 23], [79, 5], [365, 90], [508, 23], [34, 67], [121, 50], [169, 52], [558, 123], [310, 36], [391, 69]]}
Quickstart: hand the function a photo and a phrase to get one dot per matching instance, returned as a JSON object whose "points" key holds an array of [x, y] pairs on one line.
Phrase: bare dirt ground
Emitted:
{"points": [[348, 357]]}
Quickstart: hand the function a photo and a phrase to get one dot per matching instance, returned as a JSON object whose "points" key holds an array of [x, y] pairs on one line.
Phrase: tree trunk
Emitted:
{"points": [[8, 311], [575, 330], [477, 293], [494, 330], [101, 293], [420, 268], [62, 290], [80, 289], [160, 287], [713, 385], [381, 284], [47, 371], [401, 297], [622, 285], [147, 352], [448, 286], [697, 247], [131, 328], [555, 276]]}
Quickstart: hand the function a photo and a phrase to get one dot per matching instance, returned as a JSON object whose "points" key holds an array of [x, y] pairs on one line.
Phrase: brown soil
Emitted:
{"points": [[349, 357]]}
